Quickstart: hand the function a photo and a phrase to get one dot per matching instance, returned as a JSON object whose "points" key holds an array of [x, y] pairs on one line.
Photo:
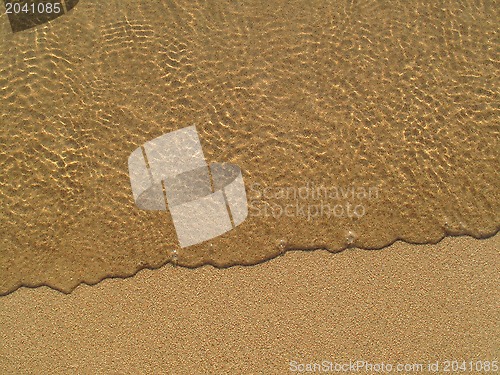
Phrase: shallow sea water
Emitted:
{"points": [[355, 124]]}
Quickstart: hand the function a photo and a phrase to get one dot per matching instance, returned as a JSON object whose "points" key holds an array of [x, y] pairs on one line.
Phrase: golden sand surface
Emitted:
{"points": [[405, 304], [397, 96]]}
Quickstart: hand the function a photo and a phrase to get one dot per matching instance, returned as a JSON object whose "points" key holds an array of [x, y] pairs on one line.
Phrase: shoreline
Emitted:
{"points": [[406, 303]]}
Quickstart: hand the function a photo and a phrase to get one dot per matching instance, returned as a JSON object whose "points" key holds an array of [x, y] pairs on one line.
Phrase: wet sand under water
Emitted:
{"points": [[395, 97]]}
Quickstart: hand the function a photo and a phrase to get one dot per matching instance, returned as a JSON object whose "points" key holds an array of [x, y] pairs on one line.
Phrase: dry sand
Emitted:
{"points": [[406, 303]]}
